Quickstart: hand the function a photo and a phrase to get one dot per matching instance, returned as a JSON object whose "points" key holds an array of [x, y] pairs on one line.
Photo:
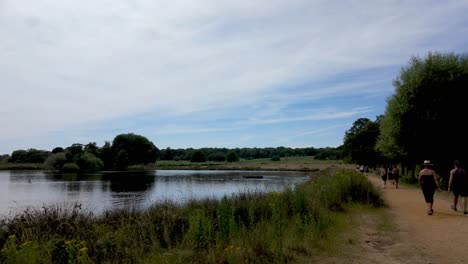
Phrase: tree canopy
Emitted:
{"points": [[134, 149], [359, 142], [428, 104]]}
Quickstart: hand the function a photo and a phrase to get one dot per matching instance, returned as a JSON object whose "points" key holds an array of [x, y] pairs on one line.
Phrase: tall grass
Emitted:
{"points": [[251, 227]]}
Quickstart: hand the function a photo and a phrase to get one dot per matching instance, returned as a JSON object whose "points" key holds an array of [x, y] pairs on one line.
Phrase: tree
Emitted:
{"points": [[92, 148], [327, 154], [57, 150], [197, 156], [29, 156], [360, 140], [232, 156], [55, 161], [138, 149], [89, 163], [218, 156], [107, 156], [73, 152], [427, 104]]}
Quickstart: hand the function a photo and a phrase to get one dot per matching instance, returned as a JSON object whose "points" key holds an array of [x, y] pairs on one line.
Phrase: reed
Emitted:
{"points": [[252, 227]]}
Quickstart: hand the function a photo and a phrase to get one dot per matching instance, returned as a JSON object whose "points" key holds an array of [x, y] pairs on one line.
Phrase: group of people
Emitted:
{"points": [[458, 184], [389, 173]]}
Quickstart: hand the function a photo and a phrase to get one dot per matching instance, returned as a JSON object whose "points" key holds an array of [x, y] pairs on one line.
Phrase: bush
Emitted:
{"points": [[218, 156], [232, 156], [70, 167], [197, 156], [89, 163], [275, 158], [55, 161]]}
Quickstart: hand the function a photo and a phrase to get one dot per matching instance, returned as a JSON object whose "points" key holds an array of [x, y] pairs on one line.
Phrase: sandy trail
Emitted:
{"points": [[440, 238]]}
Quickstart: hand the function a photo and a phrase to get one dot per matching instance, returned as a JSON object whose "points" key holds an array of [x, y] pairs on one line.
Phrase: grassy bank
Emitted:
{"points": [[281, 227], [306, 163], [284, 164]]}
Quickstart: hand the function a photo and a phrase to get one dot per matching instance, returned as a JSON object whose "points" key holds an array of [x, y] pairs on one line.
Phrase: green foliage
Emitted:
{"points": [[57, 150], [55, 161], [225, 219], [360, 140], [232, 156], [328, 154], [70, 167], [138, 150], [29, 156], [200, 233], [121, 160], [89, 163], [243, 153], [427, 103], [14, 252], [92, 148], [73, 152], [70, 251], [218, 156], [107, 156], [197, 156], [4, 158], [275, 158]]}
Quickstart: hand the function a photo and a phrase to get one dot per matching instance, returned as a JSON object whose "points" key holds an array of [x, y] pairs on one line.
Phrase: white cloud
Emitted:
{"points": [[69, 64]]}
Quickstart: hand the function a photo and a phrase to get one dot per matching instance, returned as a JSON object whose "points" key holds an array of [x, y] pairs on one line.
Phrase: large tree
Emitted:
{"points": [[359, 142], [133, 149], [424, 118]]}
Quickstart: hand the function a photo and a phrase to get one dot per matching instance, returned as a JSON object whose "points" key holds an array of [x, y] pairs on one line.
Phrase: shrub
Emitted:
{"points": [[70, 167], [55, 161], [232, 156], [197, 156], [275, 158]]}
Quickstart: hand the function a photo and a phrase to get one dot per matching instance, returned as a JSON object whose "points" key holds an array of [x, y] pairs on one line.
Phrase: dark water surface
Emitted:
{"points": [[109, 190]]}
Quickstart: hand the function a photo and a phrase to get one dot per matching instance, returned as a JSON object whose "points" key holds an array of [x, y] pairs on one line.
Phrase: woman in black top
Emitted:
{"points": [[429, 183]]}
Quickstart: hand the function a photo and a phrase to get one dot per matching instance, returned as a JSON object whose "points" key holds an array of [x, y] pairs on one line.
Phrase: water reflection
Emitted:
{"points": [[102, 191], [130, 181]]}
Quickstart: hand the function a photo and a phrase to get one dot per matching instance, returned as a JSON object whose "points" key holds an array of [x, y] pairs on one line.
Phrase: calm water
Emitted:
{"points": [[97, 192]]}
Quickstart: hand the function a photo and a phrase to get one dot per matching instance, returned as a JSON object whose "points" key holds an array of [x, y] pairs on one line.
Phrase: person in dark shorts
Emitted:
{"points": [[390, 173], [429, 184], [396, 176], [458, 184], [383, 176]]}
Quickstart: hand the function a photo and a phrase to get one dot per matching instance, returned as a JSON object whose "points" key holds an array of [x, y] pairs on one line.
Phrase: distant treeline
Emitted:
{"points": [[125, 151], [221, 154]]}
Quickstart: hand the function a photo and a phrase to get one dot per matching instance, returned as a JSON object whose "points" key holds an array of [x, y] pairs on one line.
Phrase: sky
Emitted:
{"points": [[194, 74]]}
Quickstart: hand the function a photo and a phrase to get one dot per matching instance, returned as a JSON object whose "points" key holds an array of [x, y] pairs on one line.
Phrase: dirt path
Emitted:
{"points": [[440, 238]]}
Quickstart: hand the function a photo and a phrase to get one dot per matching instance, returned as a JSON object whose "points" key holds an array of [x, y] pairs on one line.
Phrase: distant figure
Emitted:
{"points": [[396, 176], [390, 173], [383, 176], [29, 180], [458, 184], [429, 184]]}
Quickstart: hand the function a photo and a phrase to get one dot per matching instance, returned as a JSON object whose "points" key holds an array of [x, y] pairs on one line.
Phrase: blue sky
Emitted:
{"points": [[208, 73]]}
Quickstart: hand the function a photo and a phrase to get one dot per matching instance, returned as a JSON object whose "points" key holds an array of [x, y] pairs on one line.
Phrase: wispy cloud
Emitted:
{"points": [[205, 65]]}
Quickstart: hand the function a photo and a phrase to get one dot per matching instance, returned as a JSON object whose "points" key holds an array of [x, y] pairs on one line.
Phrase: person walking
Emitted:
{"points": [[396, 176], [383, 175], [458, 184], [429, 184]]}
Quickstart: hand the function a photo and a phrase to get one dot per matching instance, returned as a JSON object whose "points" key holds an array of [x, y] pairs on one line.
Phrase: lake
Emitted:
{"points": [[20, 190]]}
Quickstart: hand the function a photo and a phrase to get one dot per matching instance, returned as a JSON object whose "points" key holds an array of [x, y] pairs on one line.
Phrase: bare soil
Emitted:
{"points": [[417, 237]]}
